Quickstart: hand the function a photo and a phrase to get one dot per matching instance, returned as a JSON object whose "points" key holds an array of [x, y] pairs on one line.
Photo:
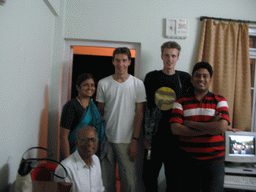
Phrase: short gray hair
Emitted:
{"points": [[85, 128]]}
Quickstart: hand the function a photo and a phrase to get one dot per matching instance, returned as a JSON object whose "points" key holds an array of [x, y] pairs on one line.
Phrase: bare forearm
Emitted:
{"points": [[212, 128], [137, 126], [138, 118], [65, 147], [101, 108], [182, 130], [133, 147], [64, 143]]}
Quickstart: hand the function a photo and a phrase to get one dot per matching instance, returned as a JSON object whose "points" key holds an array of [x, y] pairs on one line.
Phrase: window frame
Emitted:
{"points": [[252, 32]]}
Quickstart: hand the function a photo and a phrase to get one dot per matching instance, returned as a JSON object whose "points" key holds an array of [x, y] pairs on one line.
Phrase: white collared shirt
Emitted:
{"points": [[84, 178]]}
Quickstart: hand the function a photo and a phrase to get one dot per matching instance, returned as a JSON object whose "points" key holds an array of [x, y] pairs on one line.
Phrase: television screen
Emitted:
{"points": [[241, 145]]}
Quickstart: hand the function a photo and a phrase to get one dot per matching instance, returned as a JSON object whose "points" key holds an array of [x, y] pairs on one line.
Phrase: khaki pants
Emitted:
{"points": [[117, 153]]}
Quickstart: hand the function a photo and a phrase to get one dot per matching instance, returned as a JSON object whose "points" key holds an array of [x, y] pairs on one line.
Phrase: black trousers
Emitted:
{"points": [[200, 176], [182, 172], [164, 151]]}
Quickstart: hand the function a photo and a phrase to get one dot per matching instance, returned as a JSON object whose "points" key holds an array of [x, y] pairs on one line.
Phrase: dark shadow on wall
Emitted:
{"points": [[4, 178], [43, 127], [53, 135], [5, 185]]}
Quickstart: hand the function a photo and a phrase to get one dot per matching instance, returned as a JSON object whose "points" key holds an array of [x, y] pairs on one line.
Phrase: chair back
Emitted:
{"points": [[43, 172]]}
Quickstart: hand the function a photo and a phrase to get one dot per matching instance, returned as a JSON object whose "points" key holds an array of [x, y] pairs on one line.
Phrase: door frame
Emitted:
{"points": [[67, 67]]}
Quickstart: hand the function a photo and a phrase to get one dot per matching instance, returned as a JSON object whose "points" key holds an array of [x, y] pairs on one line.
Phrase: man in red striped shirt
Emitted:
{"points": [[200, 119]]}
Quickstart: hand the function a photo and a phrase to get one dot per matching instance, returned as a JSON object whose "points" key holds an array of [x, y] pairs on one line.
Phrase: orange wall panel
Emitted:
{"points": [[99, 51]]}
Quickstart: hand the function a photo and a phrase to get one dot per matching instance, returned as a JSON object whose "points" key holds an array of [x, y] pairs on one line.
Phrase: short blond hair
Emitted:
{"points": [[170, 45]]}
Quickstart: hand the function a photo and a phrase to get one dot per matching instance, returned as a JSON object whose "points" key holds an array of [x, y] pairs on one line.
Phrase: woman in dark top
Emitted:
{"points": [[79, 112]]}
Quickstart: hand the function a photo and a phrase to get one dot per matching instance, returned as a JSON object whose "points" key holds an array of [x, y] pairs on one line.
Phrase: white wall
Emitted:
{"points": [[26, 39], [142, 21]]}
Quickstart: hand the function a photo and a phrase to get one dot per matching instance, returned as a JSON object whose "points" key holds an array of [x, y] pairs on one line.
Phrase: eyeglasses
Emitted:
{"points": [[87, 140]]}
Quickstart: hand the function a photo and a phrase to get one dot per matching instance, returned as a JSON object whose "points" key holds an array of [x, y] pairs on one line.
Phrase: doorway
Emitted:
{"points": [[96, 61], [67, 66]]}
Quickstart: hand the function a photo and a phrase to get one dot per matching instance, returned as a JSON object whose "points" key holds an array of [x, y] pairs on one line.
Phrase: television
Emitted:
{"points": [[240, 147]]}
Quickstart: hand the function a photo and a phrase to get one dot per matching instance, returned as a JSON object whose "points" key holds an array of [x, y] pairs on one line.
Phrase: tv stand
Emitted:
{"points": [[240, 176]]}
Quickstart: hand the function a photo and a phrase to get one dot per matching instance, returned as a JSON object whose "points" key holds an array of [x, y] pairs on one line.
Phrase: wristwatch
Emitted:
{"points": [[135, 138]]}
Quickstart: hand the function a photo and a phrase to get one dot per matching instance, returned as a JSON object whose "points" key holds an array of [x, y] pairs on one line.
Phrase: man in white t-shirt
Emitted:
{"points": [[121, 97]]}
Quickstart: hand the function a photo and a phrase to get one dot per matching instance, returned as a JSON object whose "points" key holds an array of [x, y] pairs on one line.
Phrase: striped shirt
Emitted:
{"points": [[206, 147]]}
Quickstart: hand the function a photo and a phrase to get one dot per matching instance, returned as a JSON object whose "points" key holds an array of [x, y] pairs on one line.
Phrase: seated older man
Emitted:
{"points": [[83, 166]]}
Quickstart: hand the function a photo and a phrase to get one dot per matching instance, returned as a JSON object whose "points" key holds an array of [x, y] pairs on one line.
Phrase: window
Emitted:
{"points": [[252, 45]]}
